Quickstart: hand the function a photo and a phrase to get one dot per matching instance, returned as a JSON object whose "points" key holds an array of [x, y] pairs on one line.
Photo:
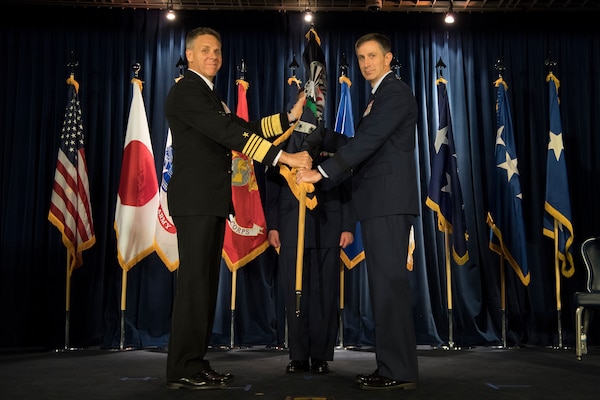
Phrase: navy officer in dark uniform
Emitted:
{"points": [[204, 133]]}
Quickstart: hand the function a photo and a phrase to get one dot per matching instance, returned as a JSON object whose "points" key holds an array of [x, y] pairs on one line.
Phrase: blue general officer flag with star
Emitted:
{"points": [[507, 233], [557, 208], [445, 193]]}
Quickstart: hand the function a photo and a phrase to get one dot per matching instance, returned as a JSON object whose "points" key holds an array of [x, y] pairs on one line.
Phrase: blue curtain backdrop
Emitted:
{"points": [[107, 42]]}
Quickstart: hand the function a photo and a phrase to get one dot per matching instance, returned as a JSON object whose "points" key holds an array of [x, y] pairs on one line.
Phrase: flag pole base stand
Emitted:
{"points": [[234, 347], [450, 346], [115, 349], [502, 347], [221, 347], [66, 349], [276, 348], [554, 347]]}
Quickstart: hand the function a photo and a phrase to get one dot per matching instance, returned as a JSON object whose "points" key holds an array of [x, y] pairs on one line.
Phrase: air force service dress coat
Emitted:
{"points": [[386, 200]]}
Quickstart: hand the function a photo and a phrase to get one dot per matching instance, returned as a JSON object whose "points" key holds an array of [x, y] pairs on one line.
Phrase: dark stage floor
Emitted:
{"points": [[475, 373]]}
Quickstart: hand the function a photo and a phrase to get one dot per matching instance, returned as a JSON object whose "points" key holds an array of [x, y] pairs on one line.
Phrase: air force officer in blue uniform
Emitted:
{"points": [[386, 201]]}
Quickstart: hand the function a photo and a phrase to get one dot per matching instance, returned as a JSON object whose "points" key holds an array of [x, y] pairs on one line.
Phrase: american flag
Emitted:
{"points": [[70, 208]]}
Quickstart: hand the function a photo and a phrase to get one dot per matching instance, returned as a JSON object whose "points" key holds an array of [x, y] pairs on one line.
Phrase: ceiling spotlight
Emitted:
{"points": [[449, 18], [170, 12], [308, 15]]}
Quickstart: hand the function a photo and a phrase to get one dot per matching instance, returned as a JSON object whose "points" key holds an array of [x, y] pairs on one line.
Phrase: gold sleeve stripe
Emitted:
{"points": [[271, 125], [256, 148]]}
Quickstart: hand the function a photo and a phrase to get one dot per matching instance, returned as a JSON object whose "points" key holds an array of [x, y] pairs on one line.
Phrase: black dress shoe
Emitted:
{"points": [[319, 366], [381, 382], [213, 376], [195, 383], [297, 366], [360, 378]]}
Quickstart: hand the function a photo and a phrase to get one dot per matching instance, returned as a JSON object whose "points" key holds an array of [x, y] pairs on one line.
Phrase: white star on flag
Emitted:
{"points": [[441, 138], [556, 144], [510, 165]]}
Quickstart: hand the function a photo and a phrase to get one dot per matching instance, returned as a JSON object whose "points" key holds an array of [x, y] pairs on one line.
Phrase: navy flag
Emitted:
{"points": [[445, 194], [344, 123], [557, 208], [507, 233]]}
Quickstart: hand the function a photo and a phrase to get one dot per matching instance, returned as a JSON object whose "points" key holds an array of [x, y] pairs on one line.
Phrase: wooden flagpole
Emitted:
{"points": [[503, 299], [449, 289], [300, 246], [68, 301], [233, 295], [123, 308], [557, 274], [342, 299]]}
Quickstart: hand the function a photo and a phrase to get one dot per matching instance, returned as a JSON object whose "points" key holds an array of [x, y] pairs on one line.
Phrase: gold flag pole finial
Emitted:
{"points": [[136, 71], [72, 64]]}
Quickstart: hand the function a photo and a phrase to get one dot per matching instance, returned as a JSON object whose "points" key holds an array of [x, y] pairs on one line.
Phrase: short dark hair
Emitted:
{"points": [[202, 30], [383, 40]]}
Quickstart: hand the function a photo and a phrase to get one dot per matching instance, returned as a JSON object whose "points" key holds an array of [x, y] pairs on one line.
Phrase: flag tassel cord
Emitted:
{"points": [[123, 308], [557, 274], [300, 246]]}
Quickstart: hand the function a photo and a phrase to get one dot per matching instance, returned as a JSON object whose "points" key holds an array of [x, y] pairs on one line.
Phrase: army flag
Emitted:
{"points": [[166, 233]]}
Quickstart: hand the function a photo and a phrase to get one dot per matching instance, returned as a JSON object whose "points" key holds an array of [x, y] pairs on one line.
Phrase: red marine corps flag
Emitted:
{"points": [[245, 234]]}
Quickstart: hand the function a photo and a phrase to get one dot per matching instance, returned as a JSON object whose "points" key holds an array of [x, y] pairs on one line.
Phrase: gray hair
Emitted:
{"points": [[194, 33]]}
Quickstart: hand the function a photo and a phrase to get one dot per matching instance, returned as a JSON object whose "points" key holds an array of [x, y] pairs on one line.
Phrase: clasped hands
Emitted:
{"points": [[308, 176], [303, 162], [300, 159]]}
